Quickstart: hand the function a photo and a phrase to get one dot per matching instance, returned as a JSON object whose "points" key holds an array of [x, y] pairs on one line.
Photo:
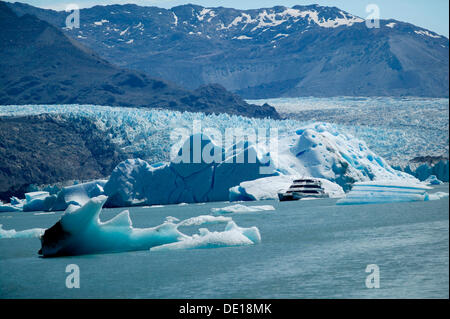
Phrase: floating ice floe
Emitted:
{"points": [[238, 208], [269, 187], [437, 196], [233, 235], [28, 233], [385, 192], [80, 231]]}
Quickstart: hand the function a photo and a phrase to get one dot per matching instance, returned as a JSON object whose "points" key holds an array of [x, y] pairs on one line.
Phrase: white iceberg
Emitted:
{"points": [[321, 150], [38, 201], [433, 180], [269, 187], [79, 194], [385, 192], [233, 235], [437, 196], [238, 208], [28, 233], [80, 231], [134, 181]]}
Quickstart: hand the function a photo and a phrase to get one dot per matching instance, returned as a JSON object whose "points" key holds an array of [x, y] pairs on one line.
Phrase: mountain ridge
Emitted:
{"points": [[39, 64], [267, 52]]}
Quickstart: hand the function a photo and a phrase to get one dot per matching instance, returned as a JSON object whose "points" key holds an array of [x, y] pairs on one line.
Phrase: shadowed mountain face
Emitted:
{"points": [[272, 52], [46, 149], [41, 65]]}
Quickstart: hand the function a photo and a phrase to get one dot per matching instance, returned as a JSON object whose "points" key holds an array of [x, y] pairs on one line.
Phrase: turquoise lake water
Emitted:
{"points": [[309, 249]]}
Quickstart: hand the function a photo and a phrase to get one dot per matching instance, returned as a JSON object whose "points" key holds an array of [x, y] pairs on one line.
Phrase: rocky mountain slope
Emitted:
{"points": [[269, 52], [41, 65], [44, 149]]}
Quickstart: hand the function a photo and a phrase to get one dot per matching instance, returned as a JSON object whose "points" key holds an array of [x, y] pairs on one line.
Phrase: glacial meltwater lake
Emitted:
{"points": [[308, 249]]}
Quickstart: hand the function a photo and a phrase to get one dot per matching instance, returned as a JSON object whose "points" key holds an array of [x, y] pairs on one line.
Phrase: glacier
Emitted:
{"points": [[398, 129], [80, 231], [151, 177]]}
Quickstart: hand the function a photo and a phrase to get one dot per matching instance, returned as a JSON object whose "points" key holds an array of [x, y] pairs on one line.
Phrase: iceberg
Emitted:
{"points": [[5, 208], [80, 231], [385, 192], [269, 187], [135, 182], [78, 194], [433, 180], [238, 208], [437, 196], [232, 236], [38, 201], [321, 150]]}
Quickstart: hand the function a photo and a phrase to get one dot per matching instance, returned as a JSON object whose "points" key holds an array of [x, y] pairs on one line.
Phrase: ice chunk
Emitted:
{"points": [[204, 219], [188, 180], [17, 202], [432, 180], [29, 197], [385, 192], [233, 235], [80, 194], [28, 233], [5, 208], [437, 196], [323, 151], [127, 182], [80, 231], [238, 208], [39, 201]]}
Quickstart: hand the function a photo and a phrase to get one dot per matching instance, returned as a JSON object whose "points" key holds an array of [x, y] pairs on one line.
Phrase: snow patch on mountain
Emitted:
{"points": [[427, 33]]}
